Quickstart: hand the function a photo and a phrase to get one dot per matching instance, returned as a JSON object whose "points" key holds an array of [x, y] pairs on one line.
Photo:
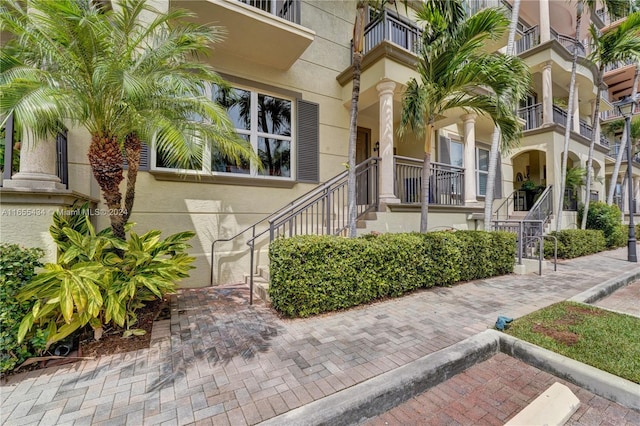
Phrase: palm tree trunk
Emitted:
{"points": [[426, 180], [594, 123], [133, 148], [358, 47], [616, 167], [105, 158], [495, 142], [567, 131]]}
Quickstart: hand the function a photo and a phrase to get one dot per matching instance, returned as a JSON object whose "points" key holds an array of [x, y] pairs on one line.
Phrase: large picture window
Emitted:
{"points": [[265, 121]]}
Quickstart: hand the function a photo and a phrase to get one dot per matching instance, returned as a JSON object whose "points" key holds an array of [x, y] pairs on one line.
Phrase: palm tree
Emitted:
{"points": [[615, 127], [452, 67], [615, 8], [620, 44], [494, 153], [122, 76]]}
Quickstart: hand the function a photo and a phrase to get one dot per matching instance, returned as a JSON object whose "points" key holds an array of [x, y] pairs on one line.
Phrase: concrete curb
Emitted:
{"points": [[381, 393], [606, 288], [599, 382]]}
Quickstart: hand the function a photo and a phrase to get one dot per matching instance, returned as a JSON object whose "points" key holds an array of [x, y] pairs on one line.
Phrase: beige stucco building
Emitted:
{"points": [[290, 65]]}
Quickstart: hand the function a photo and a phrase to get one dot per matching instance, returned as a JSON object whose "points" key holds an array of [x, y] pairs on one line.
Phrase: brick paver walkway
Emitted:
{"points": [[224, 362], [626, 300], [492, 392]]}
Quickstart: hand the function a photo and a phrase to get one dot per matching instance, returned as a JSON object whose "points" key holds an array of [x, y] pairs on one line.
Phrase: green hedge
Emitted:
{"points": [[17, 267], [608, 219], [314, 274], [575, 243]]}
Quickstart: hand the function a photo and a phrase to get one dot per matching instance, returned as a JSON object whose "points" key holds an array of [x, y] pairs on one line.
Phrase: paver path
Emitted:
{"points": [[626, 300], [229, 363]]}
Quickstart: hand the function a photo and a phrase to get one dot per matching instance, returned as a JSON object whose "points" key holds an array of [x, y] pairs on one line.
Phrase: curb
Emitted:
{"points": [[599, 382], [381, 393], [603, 290]]}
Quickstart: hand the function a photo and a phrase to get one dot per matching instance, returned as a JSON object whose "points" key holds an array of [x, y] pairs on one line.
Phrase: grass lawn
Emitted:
{"points": [[602, 339]]}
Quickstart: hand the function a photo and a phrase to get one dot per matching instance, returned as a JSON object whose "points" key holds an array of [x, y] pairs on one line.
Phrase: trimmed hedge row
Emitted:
{"points": [[575, 243], [608, 219], [313, 274]]}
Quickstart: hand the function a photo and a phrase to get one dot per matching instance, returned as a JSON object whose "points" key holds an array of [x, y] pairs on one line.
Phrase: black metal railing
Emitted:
{"points": [[391, 27], [446, 182], [594, 196], [532, 116], [615, 149], [619, 64], [530, 39], [321, 211], [559, 115], [585, 129], [285, 9]]}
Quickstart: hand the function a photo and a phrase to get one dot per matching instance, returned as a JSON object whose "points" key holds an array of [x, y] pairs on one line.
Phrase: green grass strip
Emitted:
{"points": [[606, 340]]}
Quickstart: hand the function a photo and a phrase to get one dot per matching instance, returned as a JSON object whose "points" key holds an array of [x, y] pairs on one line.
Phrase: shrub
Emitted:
{"points": [[313, 274], [607, 219], [575, 243], [17, 266], [100, 279]]}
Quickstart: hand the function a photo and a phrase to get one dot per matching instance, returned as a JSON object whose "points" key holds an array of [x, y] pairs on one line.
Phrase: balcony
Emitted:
{"points": [[619, 64], [532, 117], [531, 38], [446, 184], [265, 32], [392, 28], [615, 149]]}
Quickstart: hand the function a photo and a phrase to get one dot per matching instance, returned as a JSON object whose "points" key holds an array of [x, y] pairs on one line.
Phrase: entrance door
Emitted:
{"points": [[363, 150]]}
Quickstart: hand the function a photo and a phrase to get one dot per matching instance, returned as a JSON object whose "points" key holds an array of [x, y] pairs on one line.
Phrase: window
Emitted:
{"points": [[265, 121], [482, 170]]}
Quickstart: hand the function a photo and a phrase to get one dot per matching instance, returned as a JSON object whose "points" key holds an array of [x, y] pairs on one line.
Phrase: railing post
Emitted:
{"points": [[251, 273], [8, 149], [327, 196], [520, 241]]}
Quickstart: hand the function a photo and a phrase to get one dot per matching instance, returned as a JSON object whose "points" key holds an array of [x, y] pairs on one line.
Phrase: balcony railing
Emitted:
{"points": [[613, 152], [585, 129], [285, 9], [559, 116], [532, 116], [531, 38], [618, 64], [614, 113], [446, 184], [393, 28]]}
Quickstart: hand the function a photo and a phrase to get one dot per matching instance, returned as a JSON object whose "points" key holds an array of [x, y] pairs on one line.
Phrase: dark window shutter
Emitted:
{"points": [[444, 155], [145, 158], [308, 142], [497, 187]]}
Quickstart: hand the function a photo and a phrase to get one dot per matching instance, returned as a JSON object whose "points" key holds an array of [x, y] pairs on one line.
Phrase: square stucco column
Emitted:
{"points": [[469, 121], [547, 94], [37, 165], [387, 172]]}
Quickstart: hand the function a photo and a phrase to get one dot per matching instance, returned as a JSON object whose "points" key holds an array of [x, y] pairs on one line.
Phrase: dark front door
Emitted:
{"points": [[363, 150]]}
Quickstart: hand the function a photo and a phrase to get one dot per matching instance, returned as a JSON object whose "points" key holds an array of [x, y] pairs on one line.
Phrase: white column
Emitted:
{"points": [[545, 26], [469, 157], [576, 109], [387, 172], [547, 94], [37, 165]]}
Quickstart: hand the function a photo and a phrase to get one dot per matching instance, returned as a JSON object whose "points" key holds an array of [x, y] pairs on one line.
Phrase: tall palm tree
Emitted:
{"points": [[615, 8], [494, 153], [452, 67], [612, 128], [125, 73], [620, 44]]}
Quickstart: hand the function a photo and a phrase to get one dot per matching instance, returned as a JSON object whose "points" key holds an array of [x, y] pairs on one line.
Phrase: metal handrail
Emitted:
{"points": [[297, 206], [536, 212]]}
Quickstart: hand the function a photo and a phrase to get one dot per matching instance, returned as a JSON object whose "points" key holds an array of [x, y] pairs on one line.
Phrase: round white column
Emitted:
{"points": [[469, 121], [545, 26], [547, 94], [387, 172], [37, 165]]}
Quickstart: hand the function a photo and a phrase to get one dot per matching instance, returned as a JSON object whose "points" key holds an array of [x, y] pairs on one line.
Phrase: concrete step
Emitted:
{"points": [[260, 287]]}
